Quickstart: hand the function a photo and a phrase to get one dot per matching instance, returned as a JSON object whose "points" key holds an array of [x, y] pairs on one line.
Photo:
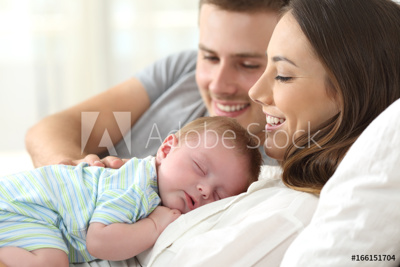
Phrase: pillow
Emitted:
{"points": [[357, 221], [252, 229]]}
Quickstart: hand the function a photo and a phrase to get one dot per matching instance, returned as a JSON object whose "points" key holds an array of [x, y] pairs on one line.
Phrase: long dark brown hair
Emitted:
{"points": [[358, 42]]}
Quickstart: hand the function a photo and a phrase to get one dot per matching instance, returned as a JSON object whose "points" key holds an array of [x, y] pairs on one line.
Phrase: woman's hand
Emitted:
{"points": [[94, 160]]}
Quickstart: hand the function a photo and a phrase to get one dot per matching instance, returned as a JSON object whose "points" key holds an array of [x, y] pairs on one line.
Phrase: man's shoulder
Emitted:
{"points": [[185, 60]]}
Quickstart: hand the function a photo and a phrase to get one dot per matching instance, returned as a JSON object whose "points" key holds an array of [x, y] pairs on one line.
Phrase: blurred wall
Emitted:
{"points": [[55, 53]]}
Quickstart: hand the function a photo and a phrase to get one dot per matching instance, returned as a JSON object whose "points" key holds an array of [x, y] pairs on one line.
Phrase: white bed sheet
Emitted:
{"points": [[220, 217], [13, 161], [101, 263]]}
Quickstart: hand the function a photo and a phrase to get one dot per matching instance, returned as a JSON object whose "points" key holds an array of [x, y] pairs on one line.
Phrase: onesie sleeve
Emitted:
{"points": [[122, 198]]}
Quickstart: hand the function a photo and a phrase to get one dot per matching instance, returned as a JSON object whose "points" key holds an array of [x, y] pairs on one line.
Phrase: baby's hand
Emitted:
{"points": [[163, 216]]}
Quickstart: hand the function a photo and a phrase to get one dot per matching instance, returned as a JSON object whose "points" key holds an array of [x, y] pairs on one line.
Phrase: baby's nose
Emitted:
{"points": [[206, 193]]}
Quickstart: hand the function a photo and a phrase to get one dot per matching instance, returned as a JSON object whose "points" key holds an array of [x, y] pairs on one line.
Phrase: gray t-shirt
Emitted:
{"points": [[175, 101]]}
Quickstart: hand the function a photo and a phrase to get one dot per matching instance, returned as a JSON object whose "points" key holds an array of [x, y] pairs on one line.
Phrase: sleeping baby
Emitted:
{"points": [[58, 214]]}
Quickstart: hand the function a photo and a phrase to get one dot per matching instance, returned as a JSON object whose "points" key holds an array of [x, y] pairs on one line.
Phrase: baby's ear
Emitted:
{"points": [[169, 142]]}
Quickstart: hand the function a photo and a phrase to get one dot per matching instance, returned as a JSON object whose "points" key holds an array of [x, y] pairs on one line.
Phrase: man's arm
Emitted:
{"points": [[121, 241], [57, 138]]}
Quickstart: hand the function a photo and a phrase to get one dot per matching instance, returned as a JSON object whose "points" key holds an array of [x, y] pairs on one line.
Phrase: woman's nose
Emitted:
{"points": [[261, 91]]}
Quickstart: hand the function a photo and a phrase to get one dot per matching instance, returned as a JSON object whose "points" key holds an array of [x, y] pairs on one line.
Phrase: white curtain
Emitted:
{"points": [[55, 53]]}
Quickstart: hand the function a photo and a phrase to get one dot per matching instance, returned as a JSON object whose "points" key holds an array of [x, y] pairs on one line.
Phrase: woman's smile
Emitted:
{"points": [[273, 123]]}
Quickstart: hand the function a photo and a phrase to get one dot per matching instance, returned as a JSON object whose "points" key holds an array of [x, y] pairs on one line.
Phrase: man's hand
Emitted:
{"points": [[163, 216], [94, 160]]}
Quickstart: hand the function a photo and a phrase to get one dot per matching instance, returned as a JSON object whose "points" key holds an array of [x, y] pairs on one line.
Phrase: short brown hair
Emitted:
{"points": [[247, 5], [239, 139]]}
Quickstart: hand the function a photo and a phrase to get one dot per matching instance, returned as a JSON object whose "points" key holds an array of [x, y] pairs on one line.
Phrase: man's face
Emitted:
{"points": [[230, 60]]}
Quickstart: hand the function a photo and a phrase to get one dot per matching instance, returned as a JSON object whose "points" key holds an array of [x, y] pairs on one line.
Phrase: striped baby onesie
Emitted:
{"points": [[52, 206]]}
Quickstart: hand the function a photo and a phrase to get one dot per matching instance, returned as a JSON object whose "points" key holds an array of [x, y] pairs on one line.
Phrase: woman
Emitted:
{"points": [[333, 66]]}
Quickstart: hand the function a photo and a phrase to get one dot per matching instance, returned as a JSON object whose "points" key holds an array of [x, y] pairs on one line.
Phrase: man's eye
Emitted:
{"points": [[210, 58], [282, 78], [251, 66]]}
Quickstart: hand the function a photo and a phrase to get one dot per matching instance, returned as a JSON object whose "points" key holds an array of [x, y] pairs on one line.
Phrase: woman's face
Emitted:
{"points": [[292, 90]]}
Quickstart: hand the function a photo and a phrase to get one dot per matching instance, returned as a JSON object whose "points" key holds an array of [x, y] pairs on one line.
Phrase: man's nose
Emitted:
{"points": [[223, 80]]}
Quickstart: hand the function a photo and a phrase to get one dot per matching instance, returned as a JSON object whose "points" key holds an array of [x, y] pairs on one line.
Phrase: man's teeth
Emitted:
{"points": [[231, 108], [274, 121]]}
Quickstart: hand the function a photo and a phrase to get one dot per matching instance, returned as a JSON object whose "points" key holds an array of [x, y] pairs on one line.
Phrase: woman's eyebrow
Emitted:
{"points": [[280, 58]]}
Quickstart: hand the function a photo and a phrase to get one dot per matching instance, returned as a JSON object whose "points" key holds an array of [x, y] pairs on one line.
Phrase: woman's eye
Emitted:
{"points": [[282, 78]]}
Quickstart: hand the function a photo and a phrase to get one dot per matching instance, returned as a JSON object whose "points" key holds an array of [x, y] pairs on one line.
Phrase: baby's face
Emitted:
{"points": [[198, 172]]}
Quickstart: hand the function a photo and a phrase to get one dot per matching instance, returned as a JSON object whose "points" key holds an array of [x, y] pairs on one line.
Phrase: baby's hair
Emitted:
{"points": [[233, 135]]}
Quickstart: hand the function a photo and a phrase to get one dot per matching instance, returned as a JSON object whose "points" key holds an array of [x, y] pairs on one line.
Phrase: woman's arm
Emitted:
{"points": [[57, 137], [120, 241]]}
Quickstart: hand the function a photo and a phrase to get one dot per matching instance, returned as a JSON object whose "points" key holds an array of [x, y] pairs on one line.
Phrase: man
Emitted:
{"points": [[234, 36]]}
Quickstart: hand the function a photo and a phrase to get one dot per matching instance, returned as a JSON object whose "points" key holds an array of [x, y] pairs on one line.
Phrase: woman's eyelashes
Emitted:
{"points": [[283, 78]]}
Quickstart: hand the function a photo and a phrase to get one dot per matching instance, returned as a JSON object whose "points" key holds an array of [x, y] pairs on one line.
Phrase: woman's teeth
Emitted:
{"points": [[274, 121], [231, 108]]}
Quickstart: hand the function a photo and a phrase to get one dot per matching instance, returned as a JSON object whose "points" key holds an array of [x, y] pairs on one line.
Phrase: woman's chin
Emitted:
{"points": [[274, 152]]}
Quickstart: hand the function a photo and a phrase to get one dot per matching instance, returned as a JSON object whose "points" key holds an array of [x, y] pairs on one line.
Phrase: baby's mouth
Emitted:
{"points": [[190, 201]]}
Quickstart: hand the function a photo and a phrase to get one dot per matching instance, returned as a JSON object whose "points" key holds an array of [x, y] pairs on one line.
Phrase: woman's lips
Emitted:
{"points": [[273, 123]]}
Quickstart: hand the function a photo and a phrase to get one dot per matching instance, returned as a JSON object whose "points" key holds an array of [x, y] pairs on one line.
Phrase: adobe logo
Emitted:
{"points": [[123, 120]]}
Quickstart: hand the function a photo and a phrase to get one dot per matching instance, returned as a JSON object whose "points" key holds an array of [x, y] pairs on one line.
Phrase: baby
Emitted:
{"points": [[59, 214]]}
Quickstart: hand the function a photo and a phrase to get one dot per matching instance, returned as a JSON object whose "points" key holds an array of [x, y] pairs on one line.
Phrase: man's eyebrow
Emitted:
{"points": [[280, 58], [240, 55], [204, 48]]}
